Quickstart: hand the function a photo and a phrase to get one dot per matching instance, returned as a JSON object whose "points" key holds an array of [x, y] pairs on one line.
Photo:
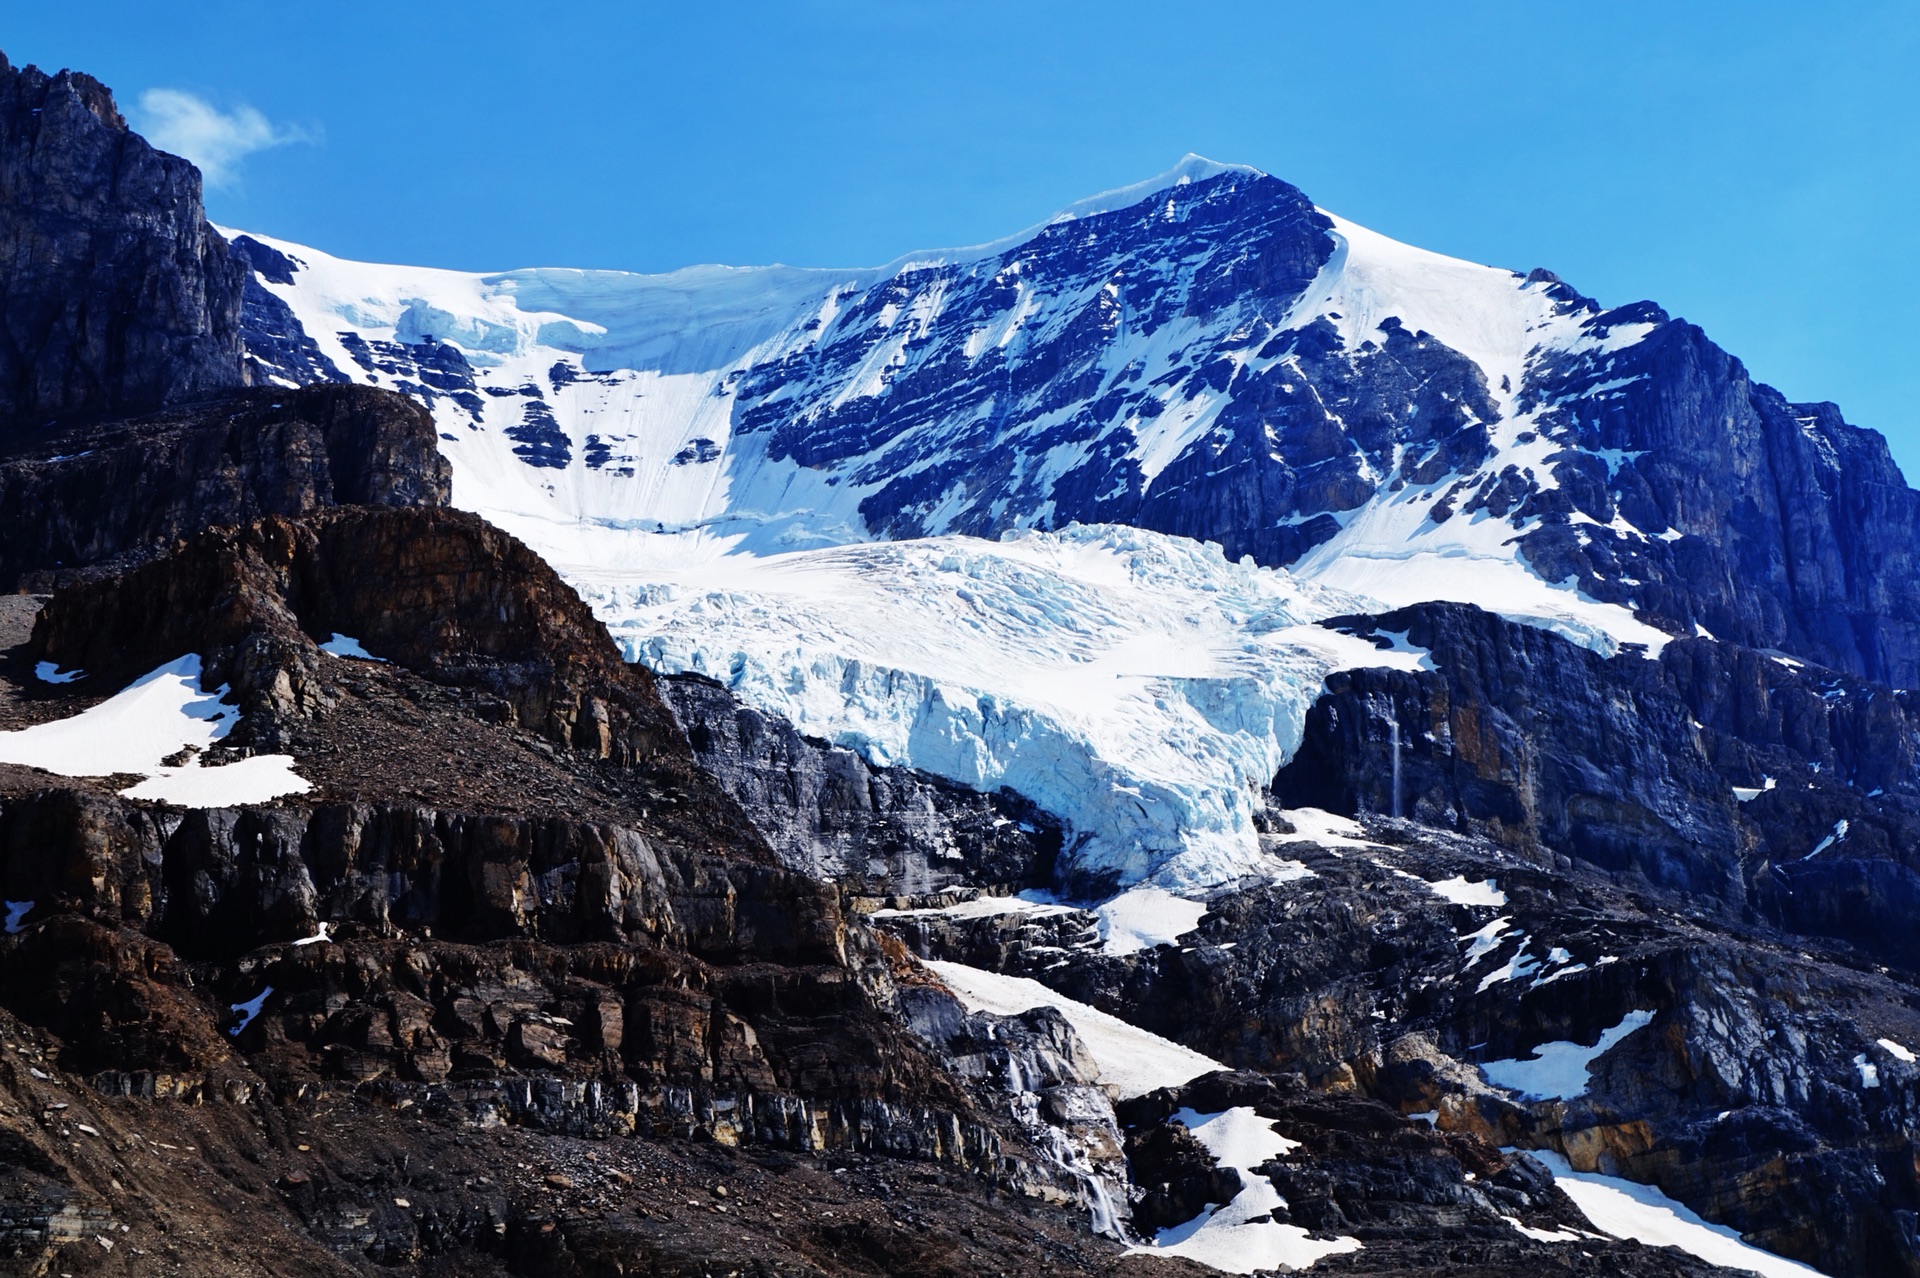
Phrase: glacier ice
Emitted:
{"points": [[1141, 687]]}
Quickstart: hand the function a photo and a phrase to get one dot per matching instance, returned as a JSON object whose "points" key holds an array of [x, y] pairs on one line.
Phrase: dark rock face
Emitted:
{"points": [[1742, 1096], [117, 490], [1631, 766], [280, 349], [1530, 739], [117, 297], [215, 886], [956, 436], [833, 816], [1311, 435], [1797, 529], [566, 979], [1368, 1173], [428, 370]]}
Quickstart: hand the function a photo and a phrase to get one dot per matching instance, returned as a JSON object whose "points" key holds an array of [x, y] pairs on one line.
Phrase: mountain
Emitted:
{"points": [[1191, 739], [1205, 356]]}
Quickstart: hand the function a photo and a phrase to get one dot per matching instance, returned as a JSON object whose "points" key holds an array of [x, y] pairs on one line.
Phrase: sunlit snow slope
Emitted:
{"points": [[710, 456]]}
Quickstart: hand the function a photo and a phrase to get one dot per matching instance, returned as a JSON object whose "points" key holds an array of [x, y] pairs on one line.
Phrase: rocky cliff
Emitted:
{"points": [[495, 957], [831, 815], [1755, 785], [117, 490], [117, 296]]}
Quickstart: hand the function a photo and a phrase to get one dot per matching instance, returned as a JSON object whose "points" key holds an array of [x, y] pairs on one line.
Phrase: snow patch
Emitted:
{"points": [[1131, 1061], [158, 716], [345, 646], [1461, 892], [1560, 1071], [260, 778], [48, 672], [1893, 1049], [1146, 917], [1316, 825], [1838, 833], [319, 936], [1483, 942], [1242, 1237], [1640, 1212], [18, 910], [1343, 651], [248, 1010], [1517, 968], [1031, 902], [1547, 1235]]}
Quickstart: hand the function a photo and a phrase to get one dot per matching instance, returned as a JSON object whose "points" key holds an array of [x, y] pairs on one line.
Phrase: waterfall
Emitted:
{"points": [[1394, 733]]}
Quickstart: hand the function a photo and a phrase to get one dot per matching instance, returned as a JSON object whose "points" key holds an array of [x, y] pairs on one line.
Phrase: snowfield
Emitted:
{"points": [[1625, 1209], [1131, 1060], [1560, 1070]]}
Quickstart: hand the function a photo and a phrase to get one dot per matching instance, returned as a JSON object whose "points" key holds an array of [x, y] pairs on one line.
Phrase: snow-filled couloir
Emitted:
{"points": [[1047, 429]]}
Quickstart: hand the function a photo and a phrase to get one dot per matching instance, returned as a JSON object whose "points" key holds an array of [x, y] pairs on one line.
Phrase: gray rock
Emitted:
{"points": [[117, 296]]}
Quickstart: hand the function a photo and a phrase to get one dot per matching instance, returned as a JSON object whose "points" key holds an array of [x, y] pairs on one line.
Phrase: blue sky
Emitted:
{"points": [[1751, 166]]}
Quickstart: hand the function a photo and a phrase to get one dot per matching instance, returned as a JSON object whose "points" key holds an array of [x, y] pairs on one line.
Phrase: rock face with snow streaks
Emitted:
{"points": [[1731, 1075], [1750, 783], [978, 395]]}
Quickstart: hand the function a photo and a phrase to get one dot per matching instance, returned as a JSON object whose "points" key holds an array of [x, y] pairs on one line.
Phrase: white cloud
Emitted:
{"points": [[216, 140]]}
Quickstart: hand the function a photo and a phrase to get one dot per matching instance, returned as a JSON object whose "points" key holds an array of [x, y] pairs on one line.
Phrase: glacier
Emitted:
{"points": [[872, 500], [1138, 686]]}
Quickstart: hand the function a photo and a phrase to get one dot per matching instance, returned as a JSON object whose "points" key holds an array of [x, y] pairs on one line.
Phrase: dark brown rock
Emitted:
{"points": [[123, 490]]}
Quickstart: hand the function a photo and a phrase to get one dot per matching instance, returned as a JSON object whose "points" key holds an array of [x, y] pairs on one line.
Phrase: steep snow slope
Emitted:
{"points": [[710, 454], [1390, 548]]}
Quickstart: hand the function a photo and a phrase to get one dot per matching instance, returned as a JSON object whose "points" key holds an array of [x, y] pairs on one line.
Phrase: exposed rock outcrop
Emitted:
{"points": [[1750, 1075], [117, 296], [1751, 783], [831, 815], [117, 491]]}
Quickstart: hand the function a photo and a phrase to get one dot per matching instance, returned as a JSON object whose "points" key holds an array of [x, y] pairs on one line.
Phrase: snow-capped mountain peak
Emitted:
{"points": [[1203, 356]]}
